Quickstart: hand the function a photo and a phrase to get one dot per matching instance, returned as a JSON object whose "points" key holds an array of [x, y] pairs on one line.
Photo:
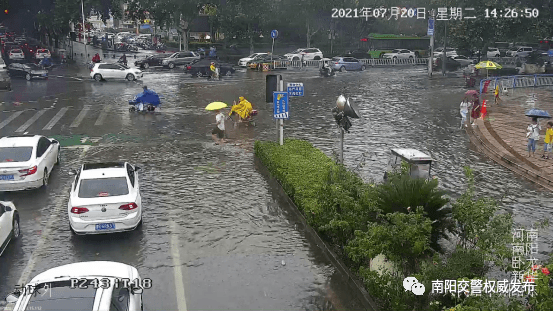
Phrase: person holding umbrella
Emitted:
{"points": [[218, 132], [533, 130], [464, 109]]}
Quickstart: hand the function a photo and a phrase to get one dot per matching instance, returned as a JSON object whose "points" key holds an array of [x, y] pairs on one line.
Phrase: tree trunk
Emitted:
{"points": [[308, 34], [251, 44], [185, 40]]}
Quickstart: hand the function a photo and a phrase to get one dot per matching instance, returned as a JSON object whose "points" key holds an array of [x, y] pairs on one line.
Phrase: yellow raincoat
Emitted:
{"points": [[243, 108]]}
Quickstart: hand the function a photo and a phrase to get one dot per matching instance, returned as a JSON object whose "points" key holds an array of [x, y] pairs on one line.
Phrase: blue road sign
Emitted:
{"points": [[550, 52], [295, 89], [430, 31], [274, 34], [280, 100]]}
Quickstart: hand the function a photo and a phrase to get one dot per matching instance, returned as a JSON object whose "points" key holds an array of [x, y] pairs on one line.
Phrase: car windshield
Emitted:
{"points": [[33, 66], [92, 188], [297, 51], [60, 296], [174, 54], [16, 51], [253, 55], [15, 154], [336, 59], [125, 67]]}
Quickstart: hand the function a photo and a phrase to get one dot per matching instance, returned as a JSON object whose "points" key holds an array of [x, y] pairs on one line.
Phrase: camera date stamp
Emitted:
{"points": [[105, 283], [440, 14]]}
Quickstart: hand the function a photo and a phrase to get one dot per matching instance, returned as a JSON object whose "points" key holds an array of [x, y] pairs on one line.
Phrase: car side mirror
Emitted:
{"points": [[136, 168], [72, 172], [13, 297]]}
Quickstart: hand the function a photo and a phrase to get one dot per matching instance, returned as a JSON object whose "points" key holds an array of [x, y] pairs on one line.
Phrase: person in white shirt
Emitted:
{"points": [[533, 135], [464, 109], [218, 133]]}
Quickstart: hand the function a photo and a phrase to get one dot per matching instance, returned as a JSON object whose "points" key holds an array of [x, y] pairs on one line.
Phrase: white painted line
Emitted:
{"points": [[42, 246], [56, 118], [179, 284], [80, 117], [103, 115], [31, 121], [79, 79], [9, 119]]}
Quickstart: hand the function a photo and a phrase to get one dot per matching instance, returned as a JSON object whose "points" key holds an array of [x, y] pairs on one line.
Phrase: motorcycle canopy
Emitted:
{"points": [[148, 97]]}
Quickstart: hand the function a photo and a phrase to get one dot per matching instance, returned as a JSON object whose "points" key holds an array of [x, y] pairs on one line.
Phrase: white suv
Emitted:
{"points": [[9, 224], [102, 71], [43, 53], [523, 51], [105, 197], [243, 62], [82, 286], [493, 52], [308, 54]]}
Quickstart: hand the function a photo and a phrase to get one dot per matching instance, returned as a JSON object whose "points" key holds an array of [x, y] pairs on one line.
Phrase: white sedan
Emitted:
{"points": [[27, 161], [400, 54], [83, 286], [243, 62], [465, 61], [105, 198], [102, 71], [9, 224], [16, 54], [43, 53]]}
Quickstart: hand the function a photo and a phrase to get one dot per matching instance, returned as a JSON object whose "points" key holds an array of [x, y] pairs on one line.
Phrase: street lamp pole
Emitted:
{"points": [[84, 33], [431, 59]]}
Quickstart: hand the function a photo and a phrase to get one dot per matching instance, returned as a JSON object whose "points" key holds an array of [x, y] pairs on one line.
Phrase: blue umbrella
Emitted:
{"points": [[148, 97], [538, 113]]}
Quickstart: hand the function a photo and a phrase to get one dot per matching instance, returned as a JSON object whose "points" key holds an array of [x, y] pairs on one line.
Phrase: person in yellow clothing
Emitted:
{"points": [[214, 71], [243, 108], [548, 140], [497, 98]]}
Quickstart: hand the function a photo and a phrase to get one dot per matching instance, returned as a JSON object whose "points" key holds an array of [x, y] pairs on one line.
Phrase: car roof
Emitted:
{"points": [[103, 170], [85, 269], [20, 140]]}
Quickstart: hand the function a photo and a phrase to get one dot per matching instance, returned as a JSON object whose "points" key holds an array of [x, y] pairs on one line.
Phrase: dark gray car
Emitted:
{"points": [[180, 58], [27, 70]]}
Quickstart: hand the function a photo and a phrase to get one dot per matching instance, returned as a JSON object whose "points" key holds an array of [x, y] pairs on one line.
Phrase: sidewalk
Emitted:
{"points": [[502, 134]]}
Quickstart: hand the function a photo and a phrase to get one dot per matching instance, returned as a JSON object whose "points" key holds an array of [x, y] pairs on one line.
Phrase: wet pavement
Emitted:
{"points": [[215, 237]]}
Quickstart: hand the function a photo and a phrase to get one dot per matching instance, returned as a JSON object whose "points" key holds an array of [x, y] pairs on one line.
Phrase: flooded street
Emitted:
{"points": [[215, 237]]}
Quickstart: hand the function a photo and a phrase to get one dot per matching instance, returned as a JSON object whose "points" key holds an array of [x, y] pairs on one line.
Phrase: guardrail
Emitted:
{"points": [[518, 81], [369, 62]]}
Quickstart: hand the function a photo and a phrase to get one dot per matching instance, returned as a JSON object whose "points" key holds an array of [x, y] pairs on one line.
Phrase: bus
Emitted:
{"points": [[378, 44]]}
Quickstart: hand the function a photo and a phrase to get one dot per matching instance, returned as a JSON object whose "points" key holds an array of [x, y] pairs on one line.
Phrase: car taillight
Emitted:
{"points": [[130, 206], [78, 210], [28, 171], [189, 67], [336, 63]]}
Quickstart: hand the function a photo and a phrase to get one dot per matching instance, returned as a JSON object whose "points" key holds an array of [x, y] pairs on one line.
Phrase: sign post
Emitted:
{"points": [[430, 32], [281, 109], [274, 35]]}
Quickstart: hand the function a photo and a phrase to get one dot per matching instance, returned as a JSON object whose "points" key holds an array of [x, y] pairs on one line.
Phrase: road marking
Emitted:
{"points": [[31, 121], [56, 118], [80, 117], [9, 119], [179, 284], [103, 115], [41, 248]]}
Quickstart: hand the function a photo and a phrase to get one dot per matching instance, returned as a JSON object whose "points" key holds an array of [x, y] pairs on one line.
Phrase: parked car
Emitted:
{"points": [[449, 52], [151, 60], [400, 54], [180, 58], [26, 161], [43, 53], [105, 197], [243, 62], [29, 71], [202, 68], [493, 52], [9, 224], [511, 52], [450, 65], [16, 54], [257, 64], [308, 54], [347, 63], [102, 71], [82, 286], [523, 51], [463, 60]]}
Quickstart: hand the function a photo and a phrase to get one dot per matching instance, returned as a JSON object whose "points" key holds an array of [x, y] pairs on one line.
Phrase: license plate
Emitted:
{"points": [[44, 75], [105, 226], [6, 177]]}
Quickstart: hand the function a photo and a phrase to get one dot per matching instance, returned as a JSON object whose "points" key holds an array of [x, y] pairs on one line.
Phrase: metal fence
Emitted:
{"points": [[519, 81], [368, 62]]}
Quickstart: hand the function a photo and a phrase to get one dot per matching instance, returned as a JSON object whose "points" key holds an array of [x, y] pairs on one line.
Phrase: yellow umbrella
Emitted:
{"points": [[215, 106], [488, 65]]}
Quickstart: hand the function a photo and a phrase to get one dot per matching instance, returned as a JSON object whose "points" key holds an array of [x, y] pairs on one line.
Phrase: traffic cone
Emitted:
{"points": [[484, 110]]}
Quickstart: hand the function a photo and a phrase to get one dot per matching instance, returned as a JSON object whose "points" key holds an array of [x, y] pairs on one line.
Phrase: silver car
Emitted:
{"points": [[180, 58]]}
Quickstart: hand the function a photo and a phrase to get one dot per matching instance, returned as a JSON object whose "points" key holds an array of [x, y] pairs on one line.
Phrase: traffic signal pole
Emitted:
{"points": [[84, 34]]}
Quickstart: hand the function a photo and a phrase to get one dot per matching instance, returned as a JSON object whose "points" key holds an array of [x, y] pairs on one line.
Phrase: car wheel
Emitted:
{"points": [[363, 68], [130, 77], [16, 228], [343, 69], [497, 55], [296, 59], [28, 77], [316, 58], [199, 74], [171, 65], [58, 158], [98, 77], [146, 65], [410, 57], [45, 178], [395, 57]]}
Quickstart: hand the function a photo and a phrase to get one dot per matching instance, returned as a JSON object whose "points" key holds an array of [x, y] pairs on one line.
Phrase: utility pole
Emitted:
{"points": [[445, 47], [84, 33], [431, 59]]}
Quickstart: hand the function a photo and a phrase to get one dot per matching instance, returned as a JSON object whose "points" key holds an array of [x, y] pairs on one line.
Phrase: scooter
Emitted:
{"points": [[327, 72], [141, 107], [120, 61]]}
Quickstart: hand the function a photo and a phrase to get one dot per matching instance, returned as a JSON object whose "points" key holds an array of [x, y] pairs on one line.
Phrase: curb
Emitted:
{"points": [[354, 285], [510, 161]]}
